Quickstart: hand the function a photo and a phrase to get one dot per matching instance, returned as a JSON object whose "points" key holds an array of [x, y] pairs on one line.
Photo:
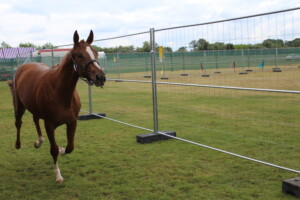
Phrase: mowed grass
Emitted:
{"points": [[109, 164]]}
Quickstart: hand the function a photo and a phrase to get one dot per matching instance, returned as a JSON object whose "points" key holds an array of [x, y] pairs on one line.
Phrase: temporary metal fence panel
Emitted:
{"points": [[234, 100], [125, 101]]}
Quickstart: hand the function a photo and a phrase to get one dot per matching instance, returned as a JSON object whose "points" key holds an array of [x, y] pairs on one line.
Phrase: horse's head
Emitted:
{"points": [[85, 60]]}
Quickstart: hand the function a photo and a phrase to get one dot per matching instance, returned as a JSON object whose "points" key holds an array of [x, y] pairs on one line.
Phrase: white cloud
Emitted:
{"points": [[4, 7], [55, 21]]}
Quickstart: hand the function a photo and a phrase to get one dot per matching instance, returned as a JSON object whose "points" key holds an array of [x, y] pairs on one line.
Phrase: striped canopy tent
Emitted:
{"points": [[10, 53]]}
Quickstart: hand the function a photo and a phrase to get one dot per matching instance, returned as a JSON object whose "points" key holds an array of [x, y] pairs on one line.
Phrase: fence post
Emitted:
{"points": [[162, 135], [153, 73], [171, 55], [31, 56], [52, 55], [90, 100], [276, 69]]}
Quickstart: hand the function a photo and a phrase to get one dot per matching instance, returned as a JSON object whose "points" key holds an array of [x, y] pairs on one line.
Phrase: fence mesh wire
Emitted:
{"points": [[126, 101], [261, 51], [257, 124]]}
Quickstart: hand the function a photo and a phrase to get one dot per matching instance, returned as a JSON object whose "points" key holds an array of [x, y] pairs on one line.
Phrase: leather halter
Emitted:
{"points": [[83, 68]]}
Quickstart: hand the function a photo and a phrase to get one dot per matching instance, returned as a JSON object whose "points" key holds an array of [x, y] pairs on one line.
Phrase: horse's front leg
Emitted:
{"points": [[71, 128], [54, 150], [40, 140]]}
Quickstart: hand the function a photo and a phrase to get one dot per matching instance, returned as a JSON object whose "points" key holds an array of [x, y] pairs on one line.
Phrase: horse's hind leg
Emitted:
{"points": [[19, 111], [41, 139]]}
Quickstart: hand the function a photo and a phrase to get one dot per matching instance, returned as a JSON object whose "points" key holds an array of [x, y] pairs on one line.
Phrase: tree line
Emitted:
{"points": [[202, 44], [195, 45], [47, 45], [128, 49]]}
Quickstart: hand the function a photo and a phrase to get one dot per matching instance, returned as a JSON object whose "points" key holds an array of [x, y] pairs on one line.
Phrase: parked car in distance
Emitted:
{"points": [[293, 57]]}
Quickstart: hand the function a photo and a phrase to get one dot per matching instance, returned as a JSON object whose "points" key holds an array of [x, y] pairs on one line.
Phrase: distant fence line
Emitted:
{"points": [[191, 60], [138, 62]]}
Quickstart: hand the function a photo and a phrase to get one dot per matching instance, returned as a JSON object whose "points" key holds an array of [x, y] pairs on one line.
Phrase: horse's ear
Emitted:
{"points": [[90, 38], [76, 38]]}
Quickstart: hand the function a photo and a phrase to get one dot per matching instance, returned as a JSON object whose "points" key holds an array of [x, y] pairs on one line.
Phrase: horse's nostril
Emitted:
{"points": [[100, 78]]}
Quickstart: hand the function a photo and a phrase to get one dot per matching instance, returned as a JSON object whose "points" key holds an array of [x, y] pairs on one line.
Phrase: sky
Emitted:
{"points": [[41, 21]]}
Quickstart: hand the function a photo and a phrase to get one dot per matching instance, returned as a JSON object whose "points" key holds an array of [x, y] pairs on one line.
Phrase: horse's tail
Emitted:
{"points": [[11, 86]]}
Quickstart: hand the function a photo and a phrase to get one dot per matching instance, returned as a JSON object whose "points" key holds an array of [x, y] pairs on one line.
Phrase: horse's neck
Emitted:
{"points": [[66, 79]]}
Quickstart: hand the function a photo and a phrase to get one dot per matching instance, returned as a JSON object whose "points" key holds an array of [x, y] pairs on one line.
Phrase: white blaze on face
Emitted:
{"points": [[90, 52]]}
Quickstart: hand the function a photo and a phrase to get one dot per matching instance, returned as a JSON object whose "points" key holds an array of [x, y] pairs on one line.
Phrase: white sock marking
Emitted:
{"points": [[59, 178], [39, 142], [61, 150]]}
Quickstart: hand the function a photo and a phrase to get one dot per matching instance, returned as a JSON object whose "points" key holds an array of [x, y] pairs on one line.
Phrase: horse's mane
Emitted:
{"points": [[66, 57], [63, 61], [55, 66]]}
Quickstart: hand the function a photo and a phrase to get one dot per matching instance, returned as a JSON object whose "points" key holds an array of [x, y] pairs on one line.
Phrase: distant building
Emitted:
{"points": [[59, 53], [48, 52]]}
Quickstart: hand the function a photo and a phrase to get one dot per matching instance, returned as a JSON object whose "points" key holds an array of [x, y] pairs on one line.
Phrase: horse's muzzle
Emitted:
{"points": [[100, 80]]}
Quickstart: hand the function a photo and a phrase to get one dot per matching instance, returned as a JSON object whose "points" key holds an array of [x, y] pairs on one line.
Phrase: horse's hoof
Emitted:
{"points": [[37, 145], [18, 146], [59, 181]]}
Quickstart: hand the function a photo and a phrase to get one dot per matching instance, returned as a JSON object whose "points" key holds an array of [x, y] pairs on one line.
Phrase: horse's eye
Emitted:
{"points": [[80, 56]]}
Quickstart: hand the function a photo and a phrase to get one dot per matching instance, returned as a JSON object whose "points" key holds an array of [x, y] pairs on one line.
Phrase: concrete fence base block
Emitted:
{"points": [[291, 186], [152, 137], [90, 116], [205, 75]]}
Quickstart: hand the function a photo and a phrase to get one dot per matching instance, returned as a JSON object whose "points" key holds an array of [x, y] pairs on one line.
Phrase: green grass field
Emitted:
{"points": [[108, 163]]}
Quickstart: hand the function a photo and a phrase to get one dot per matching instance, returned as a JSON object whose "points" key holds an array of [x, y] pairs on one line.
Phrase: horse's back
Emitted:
{"points": [[27, 81], [28, 70], [28, 77], [36, 87]]}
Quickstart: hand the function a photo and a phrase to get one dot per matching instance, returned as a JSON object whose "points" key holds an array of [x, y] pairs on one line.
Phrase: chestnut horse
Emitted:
{"points": [[50, 94]]}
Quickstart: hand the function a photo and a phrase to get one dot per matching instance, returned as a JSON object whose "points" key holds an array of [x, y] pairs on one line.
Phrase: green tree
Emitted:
{"points": [[5, 45], [182, 49], [146, 47], [229, 46], [28, 44], [97, 48], [202, 44], [216, 46], [272, 43], [124, 49], [293, 43], [47, 45], [168, 49], [193, 45], [241, 46]]}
